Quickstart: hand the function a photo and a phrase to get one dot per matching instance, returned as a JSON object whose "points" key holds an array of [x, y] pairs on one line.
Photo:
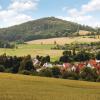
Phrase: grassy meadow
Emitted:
{"points": [[33, 50], [66, 40], [36, 48], [21, 87]]}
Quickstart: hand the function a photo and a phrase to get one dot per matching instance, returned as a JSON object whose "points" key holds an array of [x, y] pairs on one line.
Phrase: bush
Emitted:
{"points": [[34, 73], [8, 70], [82, 56], [98, 79], [88, 74], [70, 75], [26, 64], [45, 72], [98, 56], [25, 72], [2, 68], [56, 72]]}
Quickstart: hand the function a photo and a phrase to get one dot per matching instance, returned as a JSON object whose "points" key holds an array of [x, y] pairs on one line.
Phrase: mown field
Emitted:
{"points": [[33, 50], [66, 40], [21, 87]]}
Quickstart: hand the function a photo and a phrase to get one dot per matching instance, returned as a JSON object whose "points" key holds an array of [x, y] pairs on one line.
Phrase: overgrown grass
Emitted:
{"points": [[19, 87]]}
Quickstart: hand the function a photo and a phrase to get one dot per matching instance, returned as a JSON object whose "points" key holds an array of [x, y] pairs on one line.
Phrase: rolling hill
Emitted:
{"points": [[43, 28], [21, 87]]}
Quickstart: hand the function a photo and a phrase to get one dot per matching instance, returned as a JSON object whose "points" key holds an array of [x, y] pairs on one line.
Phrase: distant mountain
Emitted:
{"points": [[42, 28]]}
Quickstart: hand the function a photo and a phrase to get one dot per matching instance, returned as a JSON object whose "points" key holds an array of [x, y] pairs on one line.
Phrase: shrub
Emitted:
{"points": [[98, 79], [26, 64], [8, 70], [98, 56], [47, 58], [2, 68], [56, 72], [66, 57], [82, 56], [34, 73], [45, 72], [88, 74], [70, 75], [25, 72]]}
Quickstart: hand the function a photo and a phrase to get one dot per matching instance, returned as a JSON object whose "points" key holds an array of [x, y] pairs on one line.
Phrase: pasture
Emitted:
{"points": [[43, 47], [65, 40], [33, 50], [21, 87]]}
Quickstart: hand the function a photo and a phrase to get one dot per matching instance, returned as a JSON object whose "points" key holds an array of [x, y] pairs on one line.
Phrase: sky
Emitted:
{"points": [[14, 12]]}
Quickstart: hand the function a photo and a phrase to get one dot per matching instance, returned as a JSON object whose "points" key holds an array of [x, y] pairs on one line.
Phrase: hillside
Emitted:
{"points": [[64, 40], [21, 87], [40, 29]]}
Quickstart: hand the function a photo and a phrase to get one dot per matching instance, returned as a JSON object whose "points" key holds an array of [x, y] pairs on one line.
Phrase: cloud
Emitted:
{"points": [[84, 15], [18, 19], [16, 12], [23, 5], [93, 5], [84, 20], [79, 19]]}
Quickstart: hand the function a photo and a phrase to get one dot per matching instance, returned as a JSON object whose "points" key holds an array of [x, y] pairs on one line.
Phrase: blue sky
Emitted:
{"points": [[14, 12]]}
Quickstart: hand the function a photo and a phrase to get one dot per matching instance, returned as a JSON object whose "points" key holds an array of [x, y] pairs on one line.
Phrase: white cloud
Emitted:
{"points": [[16, 12], [83, 15], [74, 12], [10, 17], [18, 19], [93, 5], [79, 19], [84, 20], [20, 5]]}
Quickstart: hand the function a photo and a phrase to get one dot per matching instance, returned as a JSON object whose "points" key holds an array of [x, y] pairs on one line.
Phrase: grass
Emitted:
{"points": [[65, 40], [21, 87], [33, 50], [36, 46]]}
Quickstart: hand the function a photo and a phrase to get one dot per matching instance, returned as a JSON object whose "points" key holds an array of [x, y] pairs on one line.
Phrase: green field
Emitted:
{"points": [[21, 87], [36, 46], [33, 50]]}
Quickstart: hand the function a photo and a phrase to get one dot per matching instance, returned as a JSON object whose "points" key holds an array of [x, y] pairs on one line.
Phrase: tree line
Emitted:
{"points": [[25, 65]]}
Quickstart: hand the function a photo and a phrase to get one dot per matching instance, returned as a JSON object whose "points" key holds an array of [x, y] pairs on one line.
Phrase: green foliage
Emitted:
{"points": [[98, 79], [56, 72], [67, 57], [26, 64], [98, 56], [70, 75], [2, 68], [45, 72], [25, 72], [42, 28], [88, 74], [47, 58], [6, 44], [82, 56]]}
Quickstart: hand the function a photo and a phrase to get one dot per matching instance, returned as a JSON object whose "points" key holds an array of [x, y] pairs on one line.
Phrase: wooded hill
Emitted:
{"points": [[40, 29]]}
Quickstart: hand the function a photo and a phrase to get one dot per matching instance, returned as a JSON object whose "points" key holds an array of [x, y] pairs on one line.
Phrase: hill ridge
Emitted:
{"points": [[42, 28]]}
